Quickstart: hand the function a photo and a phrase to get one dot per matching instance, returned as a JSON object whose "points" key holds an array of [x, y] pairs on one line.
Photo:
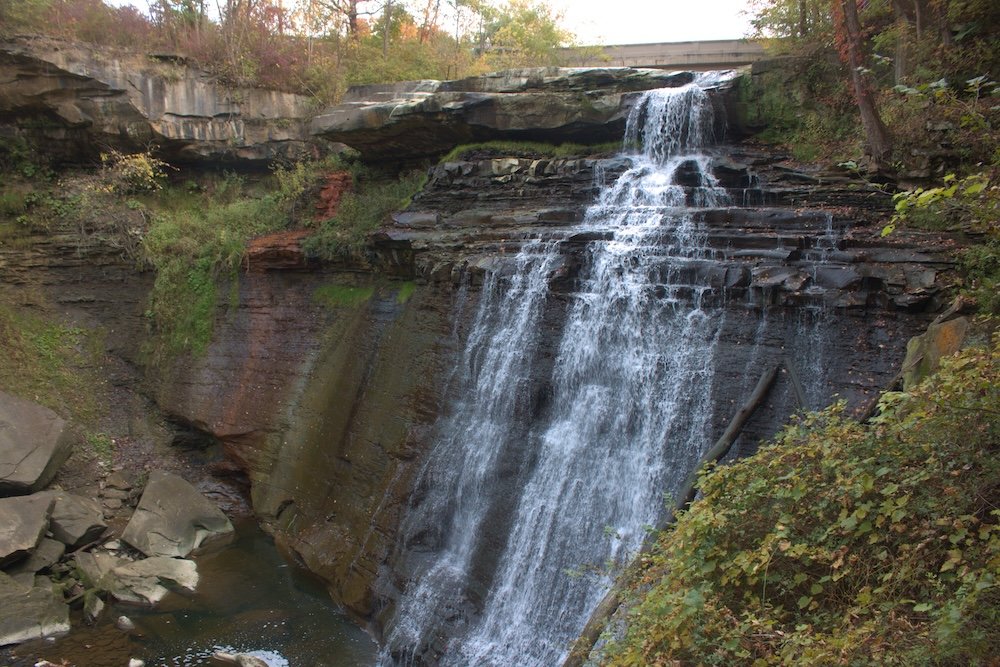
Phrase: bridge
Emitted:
{"points": [[706, 55]]}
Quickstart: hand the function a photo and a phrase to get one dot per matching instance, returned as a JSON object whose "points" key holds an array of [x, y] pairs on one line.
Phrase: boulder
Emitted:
{"points": [[30, 612], [76, 520], [34, 443], [172, 518], [175, 571], [23, 522], [924, 352], [144, 581], [46, 554], [239, 659]]}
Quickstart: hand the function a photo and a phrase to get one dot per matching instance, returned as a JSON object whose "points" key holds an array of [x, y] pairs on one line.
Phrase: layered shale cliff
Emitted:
{"points": [[328, 385]]}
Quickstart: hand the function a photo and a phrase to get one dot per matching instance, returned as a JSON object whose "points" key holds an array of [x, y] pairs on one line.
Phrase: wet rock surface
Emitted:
{"points": [[34, 442], [173, 519]]}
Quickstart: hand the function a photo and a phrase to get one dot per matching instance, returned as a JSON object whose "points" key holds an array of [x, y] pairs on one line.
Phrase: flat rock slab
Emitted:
{"points": [[23, 522], [34, 443], [30, 612], [173, 519], [75, 520], [144, 581]]}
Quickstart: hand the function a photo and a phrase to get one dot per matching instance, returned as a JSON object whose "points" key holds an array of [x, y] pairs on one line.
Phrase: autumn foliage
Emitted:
{"points": [[841, 543], [315, 47]]}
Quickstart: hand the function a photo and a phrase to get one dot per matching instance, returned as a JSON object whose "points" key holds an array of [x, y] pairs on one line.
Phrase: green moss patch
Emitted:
{"points": [[342, 296]]}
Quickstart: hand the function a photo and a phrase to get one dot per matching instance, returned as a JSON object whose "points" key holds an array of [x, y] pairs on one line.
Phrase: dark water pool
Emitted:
{"points": [[248, 600]]}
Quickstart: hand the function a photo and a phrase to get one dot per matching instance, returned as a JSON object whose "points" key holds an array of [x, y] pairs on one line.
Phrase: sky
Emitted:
{"points": [[644, 21]]}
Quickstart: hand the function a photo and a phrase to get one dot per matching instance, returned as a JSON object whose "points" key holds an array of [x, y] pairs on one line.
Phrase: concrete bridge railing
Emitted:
{"points": [[705, 55]]}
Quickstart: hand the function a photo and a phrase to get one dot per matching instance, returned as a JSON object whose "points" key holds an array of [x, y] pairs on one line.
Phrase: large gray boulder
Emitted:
{"points": [[46, 554], [75, 520], [34, 443], [30, 612], [23, 522], [145, 581], [172, 518]]}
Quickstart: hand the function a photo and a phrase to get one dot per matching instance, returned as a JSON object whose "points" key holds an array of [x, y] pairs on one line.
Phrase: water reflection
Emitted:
{"points": [[248, 601]]}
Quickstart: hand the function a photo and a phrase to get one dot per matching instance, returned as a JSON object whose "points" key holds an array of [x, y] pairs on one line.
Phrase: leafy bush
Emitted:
{"points": [[803, 104], [362, 211], [980, 266], [971, 205], [841, 543], [132, 173]]}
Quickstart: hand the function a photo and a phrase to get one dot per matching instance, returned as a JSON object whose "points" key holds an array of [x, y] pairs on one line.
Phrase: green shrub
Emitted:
{"points": [[192, 248], [841, 543], [101, 445], [132, 173], [362, 211]]}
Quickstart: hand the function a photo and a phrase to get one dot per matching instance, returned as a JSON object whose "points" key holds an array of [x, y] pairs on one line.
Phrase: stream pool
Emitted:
{"points": [[248, 600]]}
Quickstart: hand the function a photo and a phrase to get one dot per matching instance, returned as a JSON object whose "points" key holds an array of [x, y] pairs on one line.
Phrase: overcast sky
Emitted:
{"points": [[642, 21]]}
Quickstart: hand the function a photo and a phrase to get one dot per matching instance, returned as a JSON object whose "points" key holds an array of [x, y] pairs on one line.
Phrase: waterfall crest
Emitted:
{"points": [[529, 502]]}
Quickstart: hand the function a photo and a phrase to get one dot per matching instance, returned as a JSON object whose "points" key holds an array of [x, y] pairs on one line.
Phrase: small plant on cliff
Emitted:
{"points": [[841, 543], [194, 242], [529, 149], [970, 205], [375, 197], [132, 173]]}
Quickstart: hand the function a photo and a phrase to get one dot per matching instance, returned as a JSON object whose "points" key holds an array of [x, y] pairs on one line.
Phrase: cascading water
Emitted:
{"points": [[574, 483]]}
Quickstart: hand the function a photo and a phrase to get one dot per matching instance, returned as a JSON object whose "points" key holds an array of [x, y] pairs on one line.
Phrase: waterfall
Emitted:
{"points": [[531, 501]]}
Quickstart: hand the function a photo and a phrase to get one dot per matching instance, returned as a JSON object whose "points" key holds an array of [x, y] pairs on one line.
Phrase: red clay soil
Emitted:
{"points": [[337, 184], [283, 250], [280, 250]]}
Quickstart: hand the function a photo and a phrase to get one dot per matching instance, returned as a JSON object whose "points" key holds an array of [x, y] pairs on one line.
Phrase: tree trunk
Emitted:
{"points": [[352, 19], [849, 38], [385, 29]]}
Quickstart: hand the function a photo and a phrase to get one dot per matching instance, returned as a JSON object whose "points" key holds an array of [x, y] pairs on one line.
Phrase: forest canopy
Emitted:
{"points": [[316, 47]]}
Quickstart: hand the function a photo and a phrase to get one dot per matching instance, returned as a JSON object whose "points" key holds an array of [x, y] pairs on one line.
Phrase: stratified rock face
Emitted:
{"points": [[34, 442], [172, 518], [76, 100], [326, 404], [556, 105]]}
